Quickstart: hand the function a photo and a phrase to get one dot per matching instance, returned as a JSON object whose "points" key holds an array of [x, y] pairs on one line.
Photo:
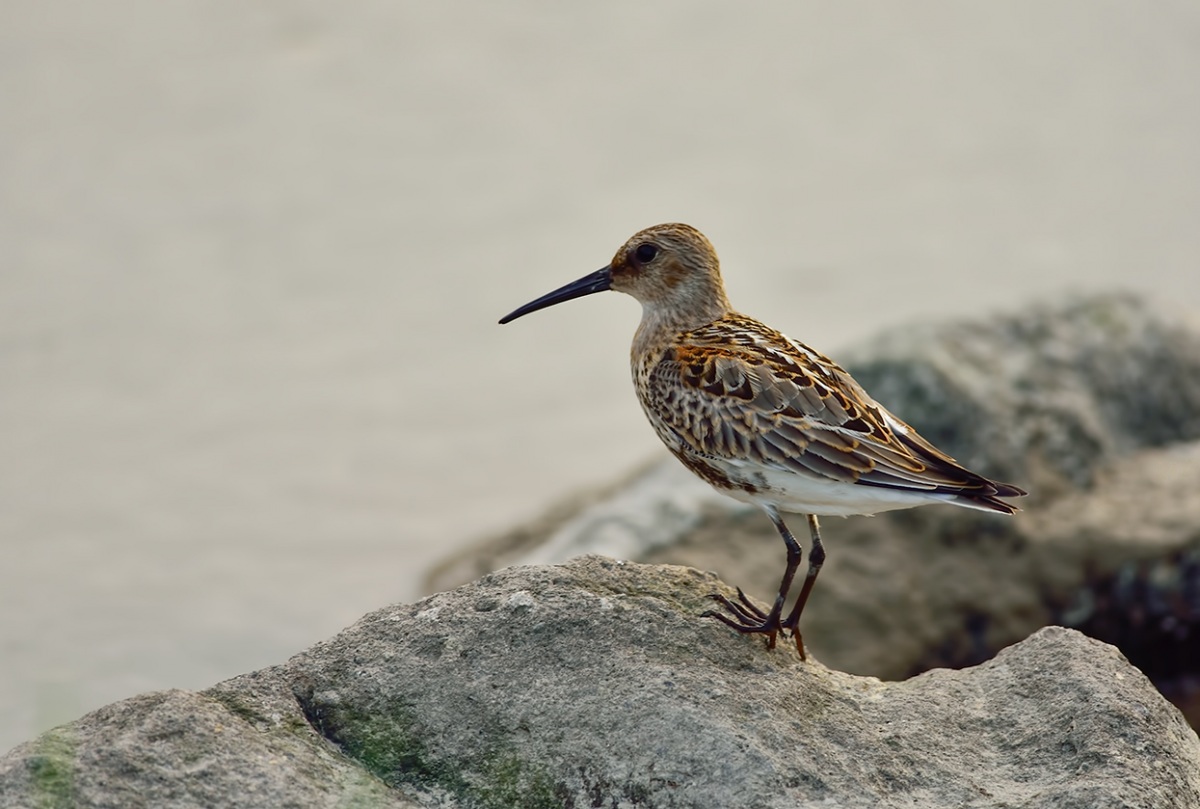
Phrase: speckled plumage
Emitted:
{"points": [[761, 417], [769, 419]]}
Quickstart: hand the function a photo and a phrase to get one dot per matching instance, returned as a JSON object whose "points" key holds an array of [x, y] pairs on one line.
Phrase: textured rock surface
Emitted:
{"points": [[183, 749], [596, 684], [1056, 392], [1092, 404]]}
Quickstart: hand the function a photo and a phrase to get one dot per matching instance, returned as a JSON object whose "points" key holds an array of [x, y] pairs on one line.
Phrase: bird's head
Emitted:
{"points": [[669, 268]]}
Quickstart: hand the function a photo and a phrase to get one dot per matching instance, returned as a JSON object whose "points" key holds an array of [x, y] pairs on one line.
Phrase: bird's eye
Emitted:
{"points": [[645, 252]]}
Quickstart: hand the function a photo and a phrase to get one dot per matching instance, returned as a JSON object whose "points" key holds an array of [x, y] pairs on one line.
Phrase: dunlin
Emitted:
{"points": [[761, 417]]}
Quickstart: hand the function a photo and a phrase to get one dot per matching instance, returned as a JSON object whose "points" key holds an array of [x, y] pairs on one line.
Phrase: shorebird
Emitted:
{"points": [[761, 417]]}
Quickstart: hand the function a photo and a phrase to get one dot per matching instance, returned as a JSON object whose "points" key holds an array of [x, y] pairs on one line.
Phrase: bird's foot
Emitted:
{"points": [[744, 609], [750, 619], [746, 617]]}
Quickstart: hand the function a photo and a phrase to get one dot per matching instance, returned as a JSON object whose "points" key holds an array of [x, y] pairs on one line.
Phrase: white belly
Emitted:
{"points": [[802, 494]]}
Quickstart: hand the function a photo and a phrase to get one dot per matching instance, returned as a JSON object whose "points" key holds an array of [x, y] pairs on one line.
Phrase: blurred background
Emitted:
{"points": [[252, 256]]}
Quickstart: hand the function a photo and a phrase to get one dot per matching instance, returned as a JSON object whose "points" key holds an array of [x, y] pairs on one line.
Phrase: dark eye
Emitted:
{"points": [[646, 252]]}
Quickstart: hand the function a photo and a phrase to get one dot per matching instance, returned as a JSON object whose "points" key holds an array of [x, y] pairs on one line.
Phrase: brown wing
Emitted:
{"points": [[737, 391]]}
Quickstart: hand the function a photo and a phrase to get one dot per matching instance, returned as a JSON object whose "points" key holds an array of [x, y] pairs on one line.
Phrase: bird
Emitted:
{"points": [[763, 418]]}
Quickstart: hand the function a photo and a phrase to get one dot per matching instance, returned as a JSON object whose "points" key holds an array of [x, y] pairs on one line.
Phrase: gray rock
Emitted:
{"points": [[595, 684], [1059, 390], [182, 749]]}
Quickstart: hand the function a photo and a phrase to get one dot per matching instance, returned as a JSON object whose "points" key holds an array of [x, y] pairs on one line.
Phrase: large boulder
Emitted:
{"points": [[1055, 393], [1093, 404], [596, 684]]}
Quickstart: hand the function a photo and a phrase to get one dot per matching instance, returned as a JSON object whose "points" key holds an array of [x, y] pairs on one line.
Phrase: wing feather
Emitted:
{"points": [[770, 401]]}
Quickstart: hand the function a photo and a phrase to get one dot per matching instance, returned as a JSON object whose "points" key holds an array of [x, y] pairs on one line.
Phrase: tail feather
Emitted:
{"points": [[977, 492], [1008, 490], [971, 490], [986, 502]]}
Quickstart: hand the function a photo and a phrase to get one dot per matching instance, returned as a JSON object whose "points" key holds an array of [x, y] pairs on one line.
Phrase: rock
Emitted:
{"points": [[182, 749], [1092, 404], [1055, 393], [596, 684]]}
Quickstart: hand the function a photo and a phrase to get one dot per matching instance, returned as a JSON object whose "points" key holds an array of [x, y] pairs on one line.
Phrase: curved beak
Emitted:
{"points": [[599, 281]]}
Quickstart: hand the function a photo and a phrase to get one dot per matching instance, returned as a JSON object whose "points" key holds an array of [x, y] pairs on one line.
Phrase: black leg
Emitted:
{"points": [[749, 618], [816, 558]]}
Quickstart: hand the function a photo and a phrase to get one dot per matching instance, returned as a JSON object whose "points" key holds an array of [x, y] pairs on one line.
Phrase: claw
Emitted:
{"points": [[744, 615], [746, 629], [747, 617]]}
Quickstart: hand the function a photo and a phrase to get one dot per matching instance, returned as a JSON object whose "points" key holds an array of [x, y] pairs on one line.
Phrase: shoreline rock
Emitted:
{"points": [[595, 683]]}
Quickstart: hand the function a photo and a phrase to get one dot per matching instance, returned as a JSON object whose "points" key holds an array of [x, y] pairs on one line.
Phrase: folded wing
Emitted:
{"points": [[767, 400]]}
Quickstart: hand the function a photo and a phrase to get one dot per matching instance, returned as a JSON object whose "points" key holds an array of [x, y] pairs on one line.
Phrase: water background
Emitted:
{"points": [[252, 257]]}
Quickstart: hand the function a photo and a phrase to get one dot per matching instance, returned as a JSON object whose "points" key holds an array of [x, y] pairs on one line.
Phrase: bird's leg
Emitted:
{"points": [[816, 558], [749, 618]]}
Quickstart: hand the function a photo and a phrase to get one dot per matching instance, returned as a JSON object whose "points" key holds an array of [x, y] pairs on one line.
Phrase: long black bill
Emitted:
{"points": [[598, 281]]}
